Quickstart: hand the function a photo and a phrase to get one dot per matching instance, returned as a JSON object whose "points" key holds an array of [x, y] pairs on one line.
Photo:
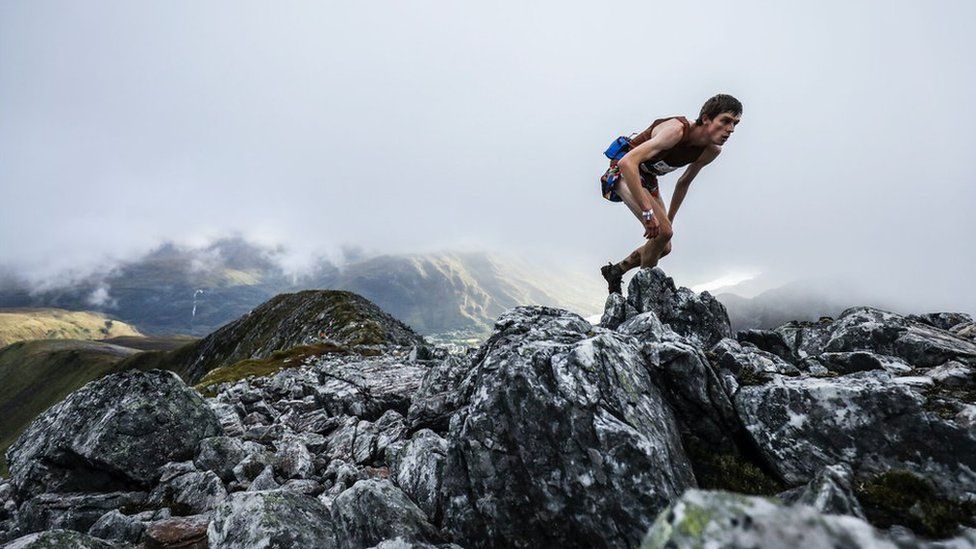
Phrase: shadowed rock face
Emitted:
{"points": [[113, 433]]}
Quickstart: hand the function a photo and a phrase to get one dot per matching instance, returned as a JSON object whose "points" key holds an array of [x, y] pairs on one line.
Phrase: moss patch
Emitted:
{"points": [[901, 497], [263, 367], [731, 473]]}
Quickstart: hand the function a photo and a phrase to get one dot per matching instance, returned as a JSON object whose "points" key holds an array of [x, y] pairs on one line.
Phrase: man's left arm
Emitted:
{"points": [[684, 182]]}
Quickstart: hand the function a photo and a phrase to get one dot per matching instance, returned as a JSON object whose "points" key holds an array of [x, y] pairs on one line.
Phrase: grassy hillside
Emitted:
{"points": [[25, 324], [38, 374]]}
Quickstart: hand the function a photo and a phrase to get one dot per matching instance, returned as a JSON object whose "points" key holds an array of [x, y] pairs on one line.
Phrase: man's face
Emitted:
{"points": [[721, 127]]}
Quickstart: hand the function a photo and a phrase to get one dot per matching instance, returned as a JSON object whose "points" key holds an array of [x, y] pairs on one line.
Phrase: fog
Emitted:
{"points": [[412, 127]]}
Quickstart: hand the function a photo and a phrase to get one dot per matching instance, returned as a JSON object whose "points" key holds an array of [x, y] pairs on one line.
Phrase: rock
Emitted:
{"points": [[806, 338], [57, 539], [251, 466], [367, 388], [559, 428], [113, 433], [861, 361], [722, 519], [189, 492], [831, 492], [228, 417], [419, 469], [293, 459], [739, 365], [700, 317], [769, 341], [183, 532], [871, 420], [115, 526], [220, 455], [437, 397], [942, 321], [264, 481], [363, 442], [305, 486], [374, 510], [271, 519], [72, 511], [616, 311]]}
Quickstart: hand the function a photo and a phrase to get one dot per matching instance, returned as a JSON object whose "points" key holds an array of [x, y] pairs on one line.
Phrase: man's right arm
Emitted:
{"points": [[665, 136]]}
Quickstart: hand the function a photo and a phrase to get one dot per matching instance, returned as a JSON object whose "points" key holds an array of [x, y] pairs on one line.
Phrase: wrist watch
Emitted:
{"points": [[647, 215]]}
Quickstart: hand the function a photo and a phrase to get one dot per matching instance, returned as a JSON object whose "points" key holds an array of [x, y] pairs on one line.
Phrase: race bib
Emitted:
{"points": [[661, 167]]}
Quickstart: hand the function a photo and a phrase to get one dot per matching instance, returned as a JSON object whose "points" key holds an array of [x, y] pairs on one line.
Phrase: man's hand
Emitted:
{"points": [[651, 227]]}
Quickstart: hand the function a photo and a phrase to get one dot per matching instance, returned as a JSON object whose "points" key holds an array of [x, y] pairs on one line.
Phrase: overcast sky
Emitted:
{"points": [[416, 126]]}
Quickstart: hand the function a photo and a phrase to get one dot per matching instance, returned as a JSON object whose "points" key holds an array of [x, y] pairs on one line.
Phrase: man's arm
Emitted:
{"points": [[665, 136], [684, 182]]}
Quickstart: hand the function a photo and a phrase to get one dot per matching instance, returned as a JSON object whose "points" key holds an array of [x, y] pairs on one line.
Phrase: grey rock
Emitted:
{"points": [[363, 442], [271, 519], [831, 491], [264, 481], [616, 311], [220, 455], [374, 510], [293, 460], [806, 338], [252, 465], [722, 519], [72, 511], [700, 317], [115, 526], [189, 493], [113, 433], [871, 420], [305, 486], [746, 364], [943, 321], [437, 398], [419, 469], [769, 341], [58, 539], [559, 427], [367, 388], [228, 417]]}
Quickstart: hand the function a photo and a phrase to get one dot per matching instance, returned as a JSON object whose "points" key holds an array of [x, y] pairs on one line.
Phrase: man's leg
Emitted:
{"points": [[650, 253]]}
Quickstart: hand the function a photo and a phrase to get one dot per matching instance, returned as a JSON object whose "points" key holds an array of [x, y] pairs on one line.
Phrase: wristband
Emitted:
{"points": [[647, 215]]}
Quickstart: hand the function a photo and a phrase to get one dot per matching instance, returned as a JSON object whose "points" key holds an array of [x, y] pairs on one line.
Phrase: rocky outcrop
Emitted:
{"points": [[111, 434], [552, 432], [561, 425]]}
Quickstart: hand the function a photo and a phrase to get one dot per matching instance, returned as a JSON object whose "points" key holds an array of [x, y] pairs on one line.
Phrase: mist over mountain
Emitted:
{"points": [[195, 289]]}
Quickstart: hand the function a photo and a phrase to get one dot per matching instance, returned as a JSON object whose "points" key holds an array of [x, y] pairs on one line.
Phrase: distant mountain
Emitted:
{"points": [[800, 300], [46, 323], [176, 289]]}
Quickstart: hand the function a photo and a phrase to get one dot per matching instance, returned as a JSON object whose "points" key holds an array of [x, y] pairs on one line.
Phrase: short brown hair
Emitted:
{"points": [[717, 105]]}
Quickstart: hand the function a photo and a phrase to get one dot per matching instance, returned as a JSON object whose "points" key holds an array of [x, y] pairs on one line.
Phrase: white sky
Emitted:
{"points": [[414, 126]]}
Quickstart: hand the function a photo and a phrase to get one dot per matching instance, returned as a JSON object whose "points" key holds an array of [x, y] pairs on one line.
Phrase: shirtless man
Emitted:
{"points": [[668, 144]]}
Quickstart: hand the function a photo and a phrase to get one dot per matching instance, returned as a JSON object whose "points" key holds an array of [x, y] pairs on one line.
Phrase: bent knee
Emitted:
{"points": [[666, 250], [666, 233]]}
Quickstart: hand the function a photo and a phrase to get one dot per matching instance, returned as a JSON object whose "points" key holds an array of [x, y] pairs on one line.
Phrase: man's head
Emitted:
{"points": [[719, 115]]}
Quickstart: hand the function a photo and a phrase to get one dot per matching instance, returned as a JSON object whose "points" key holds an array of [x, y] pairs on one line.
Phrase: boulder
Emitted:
{"points": [[769, 341], [178, 532], [72, 511], [871, 420], [271, 519], [700, 317], [419, 469], [831, 492], [187, 491], [559, 428], [114, 433], [57, 539], [374, 510], [220, 455], [723, 519], [115, 526], [293, 460]]}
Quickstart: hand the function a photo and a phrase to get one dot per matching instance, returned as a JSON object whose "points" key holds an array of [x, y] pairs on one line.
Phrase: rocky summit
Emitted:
{"points": [[659, 427]]}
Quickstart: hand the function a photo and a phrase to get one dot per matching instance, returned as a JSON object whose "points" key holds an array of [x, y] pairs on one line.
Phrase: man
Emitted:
{"points": [[668, 144]]}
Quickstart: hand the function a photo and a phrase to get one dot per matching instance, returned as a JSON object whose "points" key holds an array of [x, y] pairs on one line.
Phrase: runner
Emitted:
{"points": [[668, 144]]}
